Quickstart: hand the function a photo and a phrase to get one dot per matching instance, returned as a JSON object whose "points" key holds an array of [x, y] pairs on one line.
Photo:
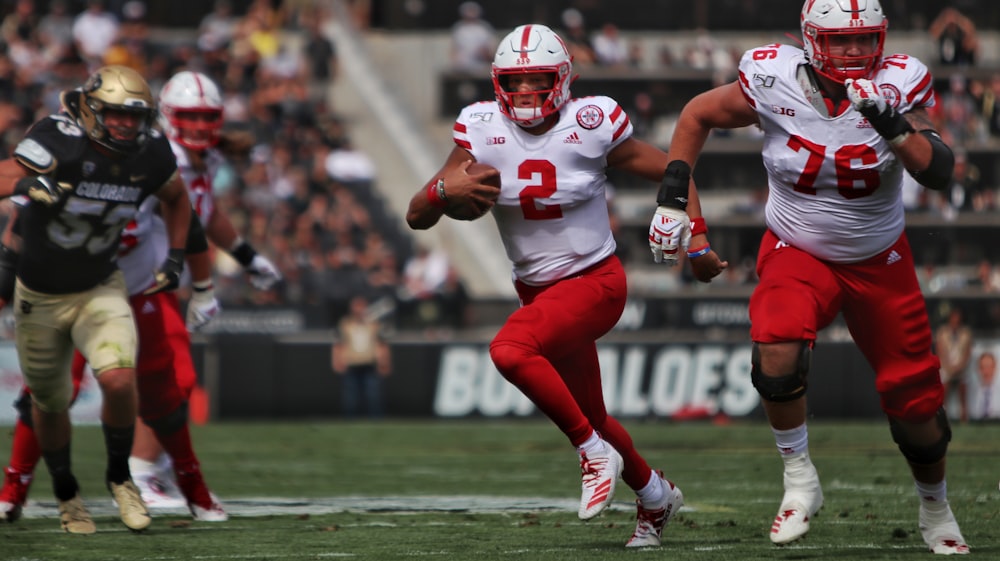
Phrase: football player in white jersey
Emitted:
{"points": [[552, 153], [842, 123], [190, 106]]}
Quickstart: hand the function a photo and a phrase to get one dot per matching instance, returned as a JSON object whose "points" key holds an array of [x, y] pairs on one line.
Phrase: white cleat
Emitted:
{"points": [[649, 523], [599, 475], [940, 532], [803, 499], [158, 492]]}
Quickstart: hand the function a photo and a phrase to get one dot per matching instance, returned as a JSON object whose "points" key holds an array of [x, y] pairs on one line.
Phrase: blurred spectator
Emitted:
{"points": [[131, 47], [218, 26], [347, 165], [988, 100], [955, 34], [988, 276], [577, 38], [953, 345], [984, 392], [94, 31], [21, 24], [423, 276], [610, 48], [959, 119], [473, 40], [965, 191], [319, 50], [55, 31], [707, 54], [360, 356]]}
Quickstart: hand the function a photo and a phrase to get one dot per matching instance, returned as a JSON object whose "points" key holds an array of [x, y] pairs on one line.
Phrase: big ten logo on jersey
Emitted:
{"points": [[491, 140], [778, 110], [638, 381]]}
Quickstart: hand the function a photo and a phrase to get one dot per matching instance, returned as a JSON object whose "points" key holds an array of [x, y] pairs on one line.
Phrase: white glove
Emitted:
{"points": [[669, 234], [865, 97], [263, 273], [202, 307]]}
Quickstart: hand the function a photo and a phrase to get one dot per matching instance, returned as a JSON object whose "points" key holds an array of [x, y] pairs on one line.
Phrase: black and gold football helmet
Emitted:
{"points": [[117, 88]]}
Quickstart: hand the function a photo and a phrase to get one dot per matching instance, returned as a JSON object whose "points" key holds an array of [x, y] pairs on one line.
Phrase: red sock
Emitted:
{"points": [[178, 445], [25, 453]]}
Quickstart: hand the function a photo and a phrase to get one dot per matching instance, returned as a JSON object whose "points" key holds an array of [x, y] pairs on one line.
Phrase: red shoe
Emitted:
{"points": [[14, 494], [204, 505]]}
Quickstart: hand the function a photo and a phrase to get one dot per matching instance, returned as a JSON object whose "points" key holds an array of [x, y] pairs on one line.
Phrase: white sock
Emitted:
{"points": [[652, 496], [932, 495], [793, 441], [164, 463], [138, 466], [593, 445]]}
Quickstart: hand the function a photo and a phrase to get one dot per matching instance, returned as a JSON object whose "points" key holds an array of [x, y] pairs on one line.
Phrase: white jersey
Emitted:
{"points": [[835, 186], [552, 213], [144, 243]]}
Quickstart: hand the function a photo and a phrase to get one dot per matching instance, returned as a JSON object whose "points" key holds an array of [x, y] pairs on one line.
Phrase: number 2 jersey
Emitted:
{"points": [[552, 212], [72, 246], [834, 184]]}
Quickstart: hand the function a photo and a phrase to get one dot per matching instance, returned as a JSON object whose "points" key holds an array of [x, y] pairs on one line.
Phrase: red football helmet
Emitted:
{"points": [[191, 110], [823, 20], [529, 49]]}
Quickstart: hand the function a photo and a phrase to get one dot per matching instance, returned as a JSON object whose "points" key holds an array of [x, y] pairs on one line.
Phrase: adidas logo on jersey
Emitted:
{"points": [[573, 139], [148, 308], [893, 257]]}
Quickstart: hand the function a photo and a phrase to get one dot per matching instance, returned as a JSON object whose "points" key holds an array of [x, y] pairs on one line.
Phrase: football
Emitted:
{"points": [[470, 211]]}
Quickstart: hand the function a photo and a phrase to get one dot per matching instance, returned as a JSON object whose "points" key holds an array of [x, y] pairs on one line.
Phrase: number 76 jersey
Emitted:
{"points": [[834, 184]]}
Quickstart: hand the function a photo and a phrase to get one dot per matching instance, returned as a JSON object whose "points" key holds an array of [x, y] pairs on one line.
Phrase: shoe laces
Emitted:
{"points": [[128, 496], [591, 468], [649, 521], [74, 511]]}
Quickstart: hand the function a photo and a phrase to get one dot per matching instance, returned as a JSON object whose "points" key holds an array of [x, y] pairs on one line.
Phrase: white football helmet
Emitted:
{"points": [[823, 19], [529, 49], [191, 110]]}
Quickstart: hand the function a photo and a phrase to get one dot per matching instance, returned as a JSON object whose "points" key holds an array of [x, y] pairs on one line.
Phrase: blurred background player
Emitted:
{"points": [[553, 219], [835, 239], [86, 170], [190, 106]]}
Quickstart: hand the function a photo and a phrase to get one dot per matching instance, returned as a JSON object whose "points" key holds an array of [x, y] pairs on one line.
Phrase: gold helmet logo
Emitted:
{"points": [[116, 88]]}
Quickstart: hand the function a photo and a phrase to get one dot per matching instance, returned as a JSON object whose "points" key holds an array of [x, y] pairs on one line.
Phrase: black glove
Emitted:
{"points": [[168, 276], [8, 273], [41, 189]]}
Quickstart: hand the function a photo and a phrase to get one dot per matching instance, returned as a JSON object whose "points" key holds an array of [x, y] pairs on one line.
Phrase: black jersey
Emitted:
{"points": [[72, 246]]}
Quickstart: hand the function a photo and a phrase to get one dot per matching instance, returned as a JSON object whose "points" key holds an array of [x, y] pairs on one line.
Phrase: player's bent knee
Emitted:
{"points": [[171, 422], [788, 387], [116, 380], [508, 356], [55, 401], [920, 452]]}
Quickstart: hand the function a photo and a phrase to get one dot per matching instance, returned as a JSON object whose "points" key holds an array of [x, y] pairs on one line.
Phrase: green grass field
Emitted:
{"points": [[502, 490]]}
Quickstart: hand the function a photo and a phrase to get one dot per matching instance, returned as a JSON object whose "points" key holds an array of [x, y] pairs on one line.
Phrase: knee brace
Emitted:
{"points": [[781, 388], [171, 422], [923, 454], [23, 406]]}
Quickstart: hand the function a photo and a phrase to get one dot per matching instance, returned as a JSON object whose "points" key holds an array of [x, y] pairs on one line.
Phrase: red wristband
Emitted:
{"points": [[698, 226], [436, 196]]}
